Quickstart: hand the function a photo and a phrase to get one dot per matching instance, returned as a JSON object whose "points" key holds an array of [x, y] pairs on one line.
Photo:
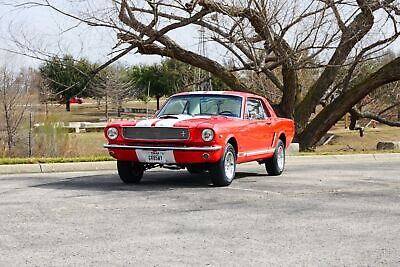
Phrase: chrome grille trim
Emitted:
{"points": [[155, 133]]}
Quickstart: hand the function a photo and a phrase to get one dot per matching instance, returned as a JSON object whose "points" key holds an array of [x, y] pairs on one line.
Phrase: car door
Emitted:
{"points": [[260, 132]]}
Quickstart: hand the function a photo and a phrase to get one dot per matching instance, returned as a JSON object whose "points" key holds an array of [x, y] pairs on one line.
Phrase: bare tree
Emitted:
{"points": [[14, 101], [382, 105], [276, 39], [111, 86]]}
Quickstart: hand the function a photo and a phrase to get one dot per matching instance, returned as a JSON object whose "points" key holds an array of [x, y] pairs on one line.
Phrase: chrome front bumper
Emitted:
{"points": [[196, 148]]}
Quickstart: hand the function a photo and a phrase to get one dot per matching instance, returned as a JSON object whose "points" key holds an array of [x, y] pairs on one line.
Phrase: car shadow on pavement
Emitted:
{"points": [[151, 181], [241, 175]]}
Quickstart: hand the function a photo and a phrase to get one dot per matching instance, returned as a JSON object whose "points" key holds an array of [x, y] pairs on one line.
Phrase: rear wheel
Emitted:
{"points": [[276, 164], [130, 172], [223, 172]]}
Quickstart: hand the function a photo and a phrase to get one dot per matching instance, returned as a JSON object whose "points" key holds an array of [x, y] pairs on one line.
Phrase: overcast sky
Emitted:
{"points": [[42, 29]]}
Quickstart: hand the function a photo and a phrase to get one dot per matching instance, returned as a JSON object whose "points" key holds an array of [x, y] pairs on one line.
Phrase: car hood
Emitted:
{"points": [[185, 121]]}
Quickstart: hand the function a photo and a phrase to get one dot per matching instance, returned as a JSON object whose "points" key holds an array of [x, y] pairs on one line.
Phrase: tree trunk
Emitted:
{"points": [[46, 109], [341, 105], [357, 29], [107, 106], [353, 120], [67, 105], [158, 102], [398, 113], [119, 108], [290, 83]]}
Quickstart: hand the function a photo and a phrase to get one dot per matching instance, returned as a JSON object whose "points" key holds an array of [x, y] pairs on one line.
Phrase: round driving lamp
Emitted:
{"points": [[207, 135], [112, 133]]}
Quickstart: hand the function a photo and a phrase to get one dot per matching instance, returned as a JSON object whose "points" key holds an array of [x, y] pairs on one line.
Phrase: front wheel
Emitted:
{"points": [[223, 172], [130, 172], [276, 164]]}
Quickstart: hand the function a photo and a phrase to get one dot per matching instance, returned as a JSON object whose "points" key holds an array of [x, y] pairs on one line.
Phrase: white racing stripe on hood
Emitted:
{"points": [[146, 123], [168, 122], [171, 122]]}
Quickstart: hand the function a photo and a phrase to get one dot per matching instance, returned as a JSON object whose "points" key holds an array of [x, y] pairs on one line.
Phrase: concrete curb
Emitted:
{"points": [[58, 167], [348, 158], [112, 165], [20, 168]]}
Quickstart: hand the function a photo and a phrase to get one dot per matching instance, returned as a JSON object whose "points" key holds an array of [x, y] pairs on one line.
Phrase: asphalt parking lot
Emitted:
{"points": [[316, 214]]}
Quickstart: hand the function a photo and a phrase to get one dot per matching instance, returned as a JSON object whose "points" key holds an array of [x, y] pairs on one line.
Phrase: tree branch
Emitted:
{"points": [[342, 104]]}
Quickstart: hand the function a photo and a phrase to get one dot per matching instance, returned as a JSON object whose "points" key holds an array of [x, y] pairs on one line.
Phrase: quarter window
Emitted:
{"points": [[255, 110]]}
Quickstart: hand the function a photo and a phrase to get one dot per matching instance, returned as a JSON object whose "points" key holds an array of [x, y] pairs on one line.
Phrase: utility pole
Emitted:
{"points": [[203, 78], [147, 100], [30, 132]]}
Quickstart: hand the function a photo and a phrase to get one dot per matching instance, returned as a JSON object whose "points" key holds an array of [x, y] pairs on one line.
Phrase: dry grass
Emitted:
{"points": [[51, 143], [87, 144], [91, 112], [350, 141]]}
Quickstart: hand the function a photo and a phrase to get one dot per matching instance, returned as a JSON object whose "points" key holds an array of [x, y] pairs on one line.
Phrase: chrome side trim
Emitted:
{"points": [[261, 152], [203, 148]]}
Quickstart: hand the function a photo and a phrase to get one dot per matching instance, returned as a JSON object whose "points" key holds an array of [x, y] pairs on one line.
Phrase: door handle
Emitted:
{"points": [[268, 122]]}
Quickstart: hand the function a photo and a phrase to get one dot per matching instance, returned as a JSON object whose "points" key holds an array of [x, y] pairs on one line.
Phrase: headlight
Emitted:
{"points": [[207, 135], [112, 133]]}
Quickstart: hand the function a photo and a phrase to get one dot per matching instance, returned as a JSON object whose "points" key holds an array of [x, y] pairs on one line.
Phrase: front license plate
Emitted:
{"points": [[155, 157]]}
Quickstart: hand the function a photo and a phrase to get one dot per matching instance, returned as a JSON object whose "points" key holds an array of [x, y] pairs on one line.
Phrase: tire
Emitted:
{"points": [[130, 172], [223, 172], [276, 164]]}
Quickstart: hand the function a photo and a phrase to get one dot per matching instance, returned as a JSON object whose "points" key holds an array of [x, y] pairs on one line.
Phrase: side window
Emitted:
{"points": [[255, 110]]}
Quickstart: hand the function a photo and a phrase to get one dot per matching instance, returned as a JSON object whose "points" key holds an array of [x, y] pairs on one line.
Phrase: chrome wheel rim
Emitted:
{"points": [[229, 165], [280, 158]]}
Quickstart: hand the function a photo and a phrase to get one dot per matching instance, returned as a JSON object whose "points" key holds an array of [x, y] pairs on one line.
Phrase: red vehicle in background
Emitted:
{"points": [[77, 100], [203, 132], [74, 100]]}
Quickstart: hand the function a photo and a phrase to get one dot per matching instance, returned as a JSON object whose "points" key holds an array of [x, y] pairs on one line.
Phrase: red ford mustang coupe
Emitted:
{"points": [[203, 132]]}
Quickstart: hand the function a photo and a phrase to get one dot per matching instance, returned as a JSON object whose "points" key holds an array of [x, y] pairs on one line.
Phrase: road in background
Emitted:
{"points": [[317, 213]]}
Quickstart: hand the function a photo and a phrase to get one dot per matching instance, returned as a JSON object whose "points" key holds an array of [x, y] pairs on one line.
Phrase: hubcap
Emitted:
{"points": [[280, 157], [229, 164]]}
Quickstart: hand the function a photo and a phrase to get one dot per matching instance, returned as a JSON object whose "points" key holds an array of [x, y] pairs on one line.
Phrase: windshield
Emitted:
{"points": [[194, 105]]}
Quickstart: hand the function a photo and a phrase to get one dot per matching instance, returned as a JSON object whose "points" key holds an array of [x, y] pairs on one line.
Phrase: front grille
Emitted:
{"points": [[155, 144], [155, 133]]}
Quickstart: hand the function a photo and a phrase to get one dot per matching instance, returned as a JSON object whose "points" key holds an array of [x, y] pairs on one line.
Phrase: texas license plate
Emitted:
{"points": [[155, 157]]}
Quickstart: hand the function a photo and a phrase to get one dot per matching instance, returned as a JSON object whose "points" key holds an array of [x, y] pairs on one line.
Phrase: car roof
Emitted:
{"points": [[243, 94]]}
